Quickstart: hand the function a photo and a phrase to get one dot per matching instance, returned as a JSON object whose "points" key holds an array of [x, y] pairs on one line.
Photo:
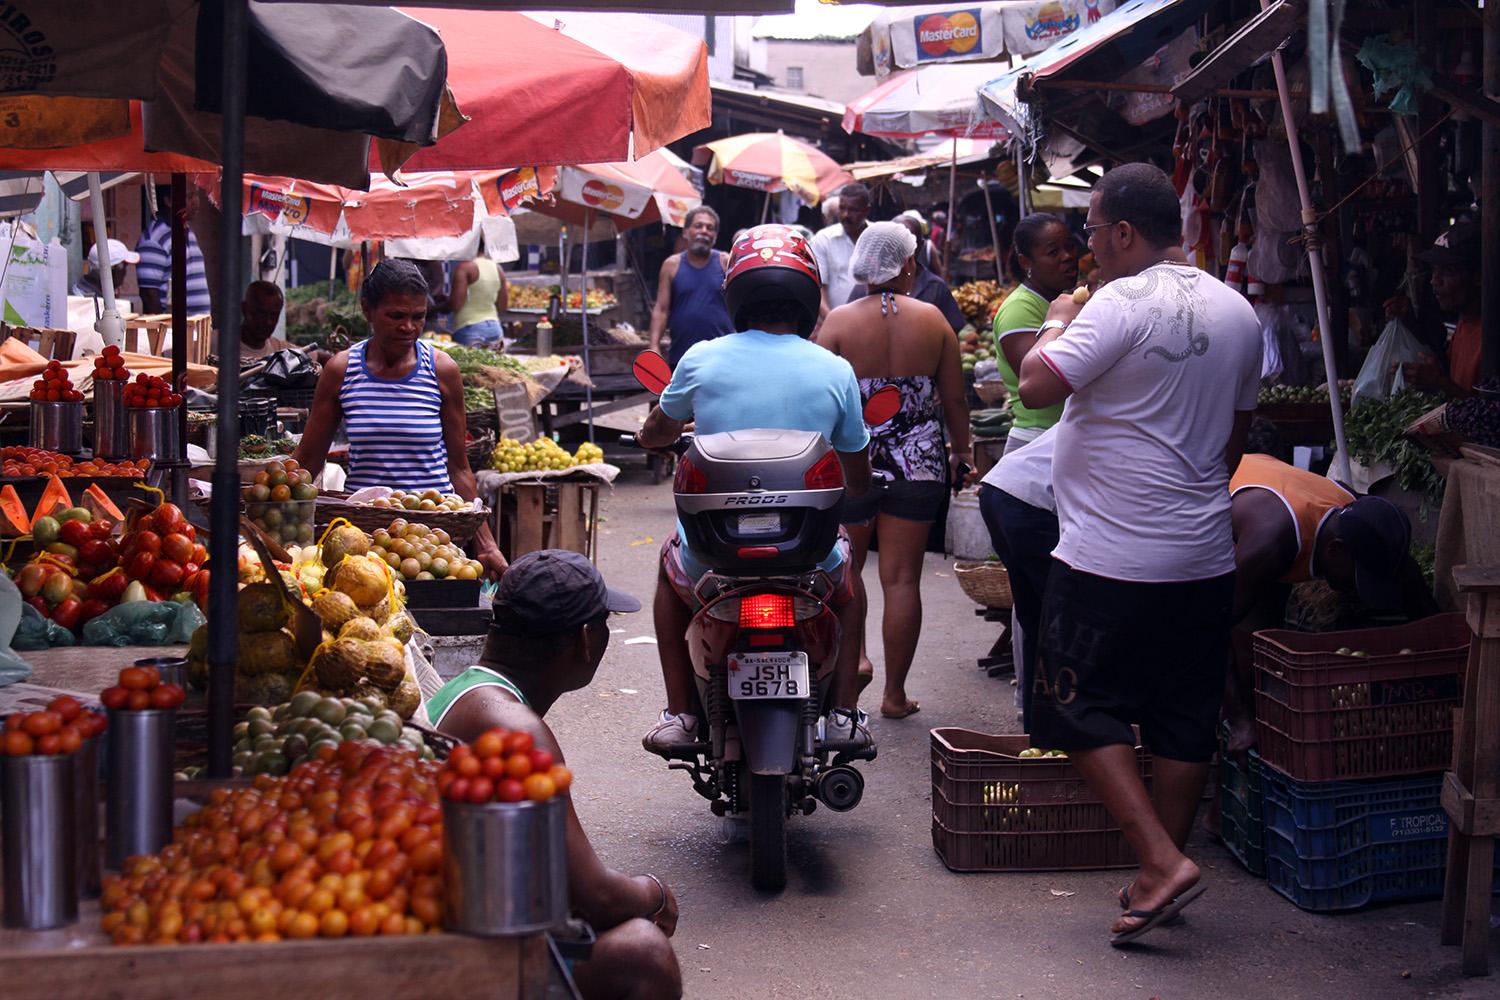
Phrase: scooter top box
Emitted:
{"points": [[760, 501]]}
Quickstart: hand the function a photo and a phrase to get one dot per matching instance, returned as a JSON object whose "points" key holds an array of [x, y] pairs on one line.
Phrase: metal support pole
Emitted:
{"points": [[1489, 207], [1314, 262], [179, 328], [108, 325], [950, 228], [989, 210], [583, 312], [223, 597]]}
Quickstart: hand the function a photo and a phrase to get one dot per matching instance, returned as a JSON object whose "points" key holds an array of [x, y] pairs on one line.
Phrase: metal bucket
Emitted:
{"points": [[153, 433], [111, 437], [505, 867], [86, 817], [173, 669], [36, 824], [138, 787], [57, 426]]}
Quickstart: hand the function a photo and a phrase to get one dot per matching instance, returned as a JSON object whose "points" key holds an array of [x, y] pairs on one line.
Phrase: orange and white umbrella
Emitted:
{"points": [[651, 189], [771, 162]]}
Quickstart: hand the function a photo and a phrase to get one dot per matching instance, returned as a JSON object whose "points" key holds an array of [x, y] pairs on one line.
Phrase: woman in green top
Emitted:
{"points": [[1046, 263], [478, 298]]}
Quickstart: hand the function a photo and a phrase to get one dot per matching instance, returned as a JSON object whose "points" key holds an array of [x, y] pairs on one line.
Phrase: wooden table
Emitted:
{"points": [[79, 961]]}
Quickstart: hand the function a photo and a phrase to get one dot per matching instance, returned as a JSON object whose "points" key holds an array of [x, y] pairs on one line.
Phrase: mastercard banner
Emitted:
{"points": [[977, 32], [949, 34], [604, 192]]}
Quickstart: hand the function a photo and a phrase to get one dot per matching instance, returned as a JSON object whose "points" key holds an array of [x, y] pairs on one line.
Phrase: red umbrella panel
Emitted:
{"points": [[564, 89]]}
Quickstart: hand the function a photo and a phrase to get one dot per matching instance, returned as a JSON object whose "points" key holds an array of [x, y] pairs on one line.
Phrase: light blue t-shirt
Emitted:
{"points": [[776, 381]]}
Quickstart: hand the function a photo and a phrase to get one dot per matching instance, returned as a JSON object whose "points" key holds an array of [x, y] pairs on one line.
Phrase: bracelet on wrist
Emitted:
{"points": [[663, 904]]}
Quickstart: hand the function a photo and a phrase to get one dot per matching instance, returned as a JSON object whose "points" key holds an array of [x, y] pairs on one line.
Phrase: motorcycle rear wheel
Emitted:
{"points": [[767, 797]]}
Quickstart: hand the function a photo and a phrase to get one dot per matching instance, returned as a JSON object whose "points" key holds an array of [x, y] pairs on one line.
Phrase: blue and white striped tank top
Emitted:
{"points": [[395, 425]]}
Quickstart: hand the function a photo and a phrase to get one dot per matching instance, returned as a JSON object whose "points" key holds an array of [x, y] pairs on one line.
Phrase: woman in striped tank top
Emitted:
{"points": [[402, 402]]}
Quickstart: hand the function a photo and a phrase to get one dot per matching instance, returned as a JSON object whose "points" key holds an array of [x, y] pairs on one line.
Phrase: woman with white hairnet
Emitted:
{"points": [[892, 339]]}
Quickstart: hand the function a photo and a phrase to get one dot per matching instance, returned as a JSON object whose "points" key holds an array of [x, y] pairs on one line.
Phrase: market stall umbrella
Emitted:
{"points": [[595, 88], [771, 162], [331, 80], [421, 206]]}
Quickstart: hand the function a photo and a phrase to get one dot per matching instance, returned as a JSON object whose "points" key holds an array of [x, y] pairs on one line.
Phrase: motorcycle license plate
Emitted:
{"points": [[768, 675], [760, 524]]}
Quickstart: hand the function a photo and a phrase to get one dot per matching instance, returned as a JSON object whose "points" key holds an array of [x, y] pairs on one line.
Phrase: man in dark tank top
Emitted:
{"points": [[690, 292]]}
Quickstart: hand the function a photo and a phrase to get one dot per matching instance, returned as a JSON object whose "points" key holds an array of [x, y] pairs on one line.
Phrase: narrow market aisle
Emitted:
{"points": [[870, 911]]}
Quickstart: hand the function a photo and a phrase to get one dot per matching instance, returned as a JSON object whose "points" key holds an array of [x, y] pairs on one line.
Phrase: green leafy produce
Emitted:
{"points": [[1425, 556], [311, 315], [1375, 431], [471, 359], [255, 446], [1303, 393], [476, 398]]}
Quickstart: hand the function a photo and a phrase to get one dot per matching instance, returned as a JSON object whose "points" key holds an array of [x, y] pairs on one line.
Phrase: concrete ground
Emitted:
{"points": [[870, 910]]}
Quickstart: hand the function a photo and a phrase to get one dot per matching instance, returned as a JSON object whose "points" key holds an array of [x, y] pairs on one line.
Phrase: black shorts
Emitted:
{"points": [[1116, 653], [910, 500]]}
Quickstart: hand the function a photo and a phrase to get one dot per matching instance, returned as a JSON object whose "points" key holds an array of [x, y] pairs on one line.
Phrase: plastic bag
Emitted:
{"points": [[38, 632], [285, 369], [1380, 375], [144, 623]]}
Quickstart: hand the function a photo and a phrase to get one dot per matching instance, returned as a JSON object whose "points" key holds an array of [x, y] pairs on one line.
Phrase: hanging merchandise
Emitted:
{"points": [[1327, 78], [33, 281], [1380, 375]]}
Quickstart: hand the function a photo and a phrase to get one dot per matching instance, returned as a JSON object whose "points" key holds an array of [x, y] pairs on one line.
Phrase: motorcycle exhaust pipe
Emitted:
{"points": [[840, 788]]}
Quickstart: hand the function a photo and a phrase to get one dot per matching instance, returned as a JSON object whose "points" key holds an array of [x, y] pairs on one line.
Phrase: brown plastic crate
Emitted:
{"points": [[995, 811], [1324, 716]]}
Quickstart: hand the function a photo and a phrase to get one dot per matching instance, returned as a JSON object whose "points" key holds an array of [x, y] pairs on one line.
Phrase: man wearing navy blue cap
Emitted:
{"points": [[547, 637]]}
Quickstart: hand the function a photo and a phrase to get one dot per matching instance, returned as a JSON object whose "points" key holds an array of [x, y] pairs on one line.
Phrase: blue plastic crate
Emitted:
{"points": [[1339, 845], [1241, 819]]}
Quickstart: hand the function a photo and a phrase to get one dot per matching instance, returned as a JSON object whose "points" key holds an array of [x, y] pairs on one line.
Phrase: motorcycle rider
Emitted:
{"points": [[773, 294]]}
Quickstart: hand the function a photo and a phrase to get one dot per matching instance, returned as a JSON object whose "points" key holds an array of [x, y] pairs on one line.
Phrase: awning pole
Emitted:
{"points": [[1314, 261], [989, 209], [949, 229], [179, 329], [109, 326], [583, 312], [224, 511]]}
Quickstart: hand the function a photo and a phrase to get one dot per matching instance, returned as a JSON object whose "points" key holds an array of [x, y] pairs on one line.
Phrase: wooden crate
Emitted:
{"points": [[550, 514]]}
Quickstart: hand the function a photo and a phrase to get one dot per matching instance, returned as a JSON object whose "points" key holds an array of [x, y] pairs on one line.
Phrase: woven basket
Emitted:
{"points": [[986, 583], [481, 420], [460, 525], [480, 448]]}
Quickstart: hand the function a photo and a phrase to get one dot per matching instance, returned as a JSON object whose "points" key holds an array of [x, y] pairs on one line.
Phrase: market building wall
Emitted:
{"points": [[820, 67]]}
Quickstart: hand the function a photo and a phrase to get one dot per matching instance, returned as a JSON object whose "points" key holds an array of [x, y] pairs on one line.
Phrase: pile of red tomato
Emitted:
{"points": [[109, 365], [161, 551], [151, 390], [54, 386], [17, 460], [59, 728], [502, 766], [349, 843], [139, 689]]}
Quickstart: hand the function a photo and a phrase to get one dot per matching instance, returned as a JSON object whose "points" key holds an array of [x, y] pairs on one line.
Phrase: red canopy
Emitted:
{"points": [[581, 88]]}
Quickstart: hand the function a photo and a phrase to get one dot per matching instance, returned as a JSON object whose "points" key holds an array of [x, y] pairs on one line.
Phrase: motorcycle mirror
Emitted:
{"points": [[652, 372], [882, 406]]}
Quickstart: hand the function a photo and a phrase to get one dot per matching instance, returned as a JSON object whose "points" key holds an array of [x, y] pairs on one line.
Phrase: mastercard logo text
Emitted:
{"points": [[600, 194], [952, 33]]}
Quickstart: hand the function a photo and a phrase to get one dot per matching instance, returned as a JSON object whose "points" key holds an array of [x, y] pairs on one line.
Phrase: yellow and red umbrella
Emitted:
{"points": [[771, 162]]}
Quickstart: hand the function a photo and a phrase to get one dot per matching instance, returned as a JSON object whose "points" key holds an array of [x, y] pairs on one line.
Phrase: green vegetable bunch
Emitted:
{"points": [[1375, 431]]}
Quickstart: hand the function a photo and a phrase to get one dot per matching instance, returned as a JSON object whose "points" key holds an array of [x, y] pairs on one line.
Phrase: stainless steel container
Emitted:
{"points": [[173, 669], [544, 340], [153, 433], [36, 824], [505, 867], [86, 817], [138, 783], [111, 437], [57, 426]]}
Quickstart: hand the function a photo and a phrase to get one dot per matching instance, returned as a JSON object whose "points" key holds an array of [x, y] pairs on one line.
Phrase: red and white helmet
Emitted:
{"points": [[772, 263]]}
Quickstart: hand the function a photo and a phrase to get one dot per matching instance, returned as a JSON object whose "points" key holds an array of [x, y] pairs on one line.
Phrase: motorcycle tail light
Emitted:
{"points": [[689, 478], [826, 473], [767, 611]]}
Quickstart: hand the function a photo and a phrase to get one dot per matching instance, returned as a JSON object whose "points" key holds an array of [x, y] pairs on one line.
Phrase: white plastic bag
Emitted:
{"points": [[1380, 375]]}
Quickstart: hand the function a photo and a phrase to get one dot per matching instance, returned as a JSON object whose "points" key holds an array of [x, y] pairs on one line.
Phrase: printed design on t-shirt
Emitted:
{"points": [[909, 446], [1179, 312]]}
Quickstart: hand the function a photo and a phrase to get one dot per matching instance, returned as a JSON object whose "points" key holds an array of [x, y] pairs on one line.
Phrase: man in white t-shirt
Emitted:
{"points": [[833, 246], [1160, 370]]}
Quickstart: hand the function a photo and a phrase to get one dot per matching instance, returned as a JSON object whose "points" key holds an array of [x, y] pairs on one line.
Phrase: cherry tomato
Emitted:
{"points": [[138, 700], [540, 788], [114, 697], [509, 790], [481, 789], [17, 743], [70, 739], [519, 743], [458, 791], [562, 778], [49, 745], [541, 760], [66, 706], [518, 765], [42, 723], [167, 696], [135, 679], [490, 744]]}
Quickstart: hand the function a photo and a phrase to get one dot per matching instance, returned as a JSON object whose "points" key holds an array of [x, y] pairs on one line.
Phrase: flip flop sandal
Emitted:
{"points": [[915, 708], [1125, 905], [1156, 918]]}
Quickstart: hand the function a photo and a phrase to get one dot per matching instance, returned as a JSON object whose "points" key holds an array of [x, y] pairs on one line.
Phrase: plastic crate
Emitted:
{"points": [[1324, 716], [993, 811], [1241, 824], [1340, 845]]}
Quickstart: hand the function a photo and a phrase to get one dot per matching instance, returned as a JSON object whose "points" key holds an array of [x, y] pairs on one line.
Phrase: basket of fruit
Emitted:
{"points": [[986, 583], [481, 443], [281, 501], [451, 513], [434, 568]]}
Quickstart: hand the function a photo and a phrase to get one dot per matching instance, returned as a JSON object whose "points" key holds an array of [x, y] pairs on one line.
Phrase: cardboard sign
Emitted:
{"points": [[514, 412]]}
